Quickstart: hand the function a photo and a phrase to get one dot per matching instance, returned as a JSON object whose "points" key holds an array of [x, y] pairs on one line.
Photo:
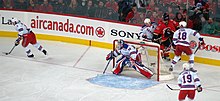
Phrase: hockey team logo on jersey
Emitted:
{"points": [[100, 32], [193, 44]]}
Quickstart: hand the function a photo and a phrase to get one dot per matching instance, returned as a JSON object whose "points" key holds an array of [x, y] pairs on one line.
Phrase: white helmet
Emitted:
{"points": [[182, 23], [14, 20], [120, 43], [147, 21], [186, 66]]}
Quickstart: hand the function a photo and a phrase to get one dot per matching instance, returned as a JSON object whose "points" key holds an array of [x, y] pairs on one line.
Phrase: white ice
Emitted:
{"points": [[63, 74]]}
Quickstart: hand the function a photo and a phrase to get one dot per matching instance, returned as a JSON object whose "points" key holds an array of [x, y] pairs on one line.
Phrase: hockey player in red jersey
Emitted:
{"points": [[188, 82], [181, 42], [27, 36], [163, 34], [129, 57]]}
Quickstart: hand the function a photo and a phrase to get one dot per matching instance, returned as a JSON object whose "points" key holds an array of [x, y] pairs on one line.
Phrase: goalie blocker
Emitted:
{"points": [[129, 57]]}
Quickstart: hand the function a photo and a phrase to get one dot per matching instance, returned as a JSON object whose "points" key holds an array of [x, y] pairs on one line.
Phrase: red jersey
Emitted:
{"points": [[162, 27]]}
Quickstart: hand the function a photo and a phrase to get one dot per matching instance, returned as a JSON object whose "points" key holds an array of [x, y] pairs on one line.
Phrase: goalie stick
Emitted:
{"points": [[9, 51], [106, 66], [172, 88]]}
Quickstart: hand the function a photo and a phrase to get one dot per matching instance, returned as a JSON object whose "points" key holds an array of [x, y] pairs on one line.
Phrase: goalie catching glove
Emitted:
{"points": [[199, 88]]}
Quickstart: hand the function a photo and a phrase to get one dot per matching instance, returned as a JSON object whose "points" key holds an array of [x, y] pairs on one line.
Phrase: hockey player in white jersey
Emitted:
{"points": [[27, 36], [129, 57], [181, 42], [188, 82], [147, 30]]}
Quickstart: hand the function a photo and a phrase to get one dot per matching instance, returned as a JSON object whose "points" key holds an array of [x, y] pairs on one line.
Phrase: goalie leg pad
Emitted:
{"points": [[121, 62], [143, 70]]}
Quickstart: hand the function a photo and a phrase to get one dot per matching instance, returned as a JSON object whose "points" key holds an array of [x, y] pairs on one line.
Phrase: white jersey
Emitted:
{"points": [[22, 29], [181, 36], [127, 50], [188, 80], [148, 31]]}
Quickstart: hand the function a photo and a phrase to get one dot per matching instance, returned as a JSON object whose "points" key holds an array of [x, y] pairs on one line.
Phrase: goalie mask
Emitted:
{"points": [[120, 43]]}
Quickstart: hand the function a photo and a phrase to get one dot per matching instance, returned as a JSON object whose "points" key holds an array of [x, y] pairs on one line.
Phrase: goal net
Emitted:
{"points": [[151, 58]]}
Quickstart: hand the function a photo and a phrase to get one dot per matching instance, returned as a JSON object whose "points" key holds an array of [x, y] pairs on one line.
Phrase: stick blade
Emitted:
{"points": [[5, 53]]}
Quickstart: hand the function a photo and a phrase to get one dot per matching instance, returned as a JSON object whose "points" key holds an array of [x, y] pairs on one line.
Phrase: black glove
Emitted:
{"points": [[201, 41], [17, 43], [168, 33], [199, 88]]}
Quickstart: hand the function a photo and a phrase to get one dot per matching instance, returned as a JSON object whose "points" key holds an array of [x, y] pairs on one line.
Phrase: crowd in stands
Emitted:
{"points": [[201, 15]]}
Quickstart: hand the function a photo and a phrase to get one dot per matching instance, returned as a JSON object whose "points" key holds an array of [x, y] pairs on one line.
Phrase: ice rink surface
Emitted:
{"points": [[63, 76]]}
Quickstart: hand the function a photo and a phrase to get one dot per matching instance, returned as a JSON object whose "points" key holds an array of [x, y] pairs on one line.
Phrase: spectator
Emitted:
{"points": [[155, 17], [211, 27], [73, 7], [101, 11], [53, 2], [1, 3], [33, 6], [141, 3], [178, 17], [111, 4], [124, 8], [149, 13], [170, 11], [131, 13], [21, 5], [60, 7], [8, 4], [112, 15], [46, 7], [186, 18], [197, 22], [137, 18], [88, 9]]}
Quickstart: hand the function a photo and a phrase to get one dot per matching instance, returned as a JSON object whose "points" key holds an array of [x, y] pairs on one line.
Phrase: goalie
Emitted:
{"points": [[129, 57]]}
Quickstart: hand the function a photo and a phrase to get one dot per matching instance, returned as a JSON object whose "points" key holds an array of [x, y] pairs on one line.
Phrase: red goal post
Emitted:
{"points": [[152, 55]]}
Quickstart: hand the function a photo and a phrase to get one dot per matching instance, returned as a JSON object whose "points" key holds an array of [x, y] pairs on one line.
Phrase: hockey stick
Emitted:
{"points": [[106, 66], [172, 88], [197, 48], [9, 51]]}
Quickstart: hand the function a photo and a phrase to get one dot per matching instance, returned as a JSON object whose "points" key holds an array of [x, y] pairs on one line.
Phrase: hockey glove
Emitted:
{"points": [[144, 36], [17, 41], [110, 56], [168, 33], [201, 41], [199, 88]]}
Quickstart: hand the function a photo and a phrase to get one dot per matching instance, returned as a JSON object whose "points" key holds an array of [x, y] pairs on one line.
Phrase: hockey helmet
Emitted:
{"points": [[182, 23], [166, 16], [147, 21], [186, 66], [14, 21], [120, 43]]}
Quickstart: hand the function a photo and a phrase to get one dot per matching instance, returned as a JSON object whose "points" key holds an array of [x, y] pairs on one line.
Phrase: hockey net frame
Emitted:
{"points": [[158, 57]]}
